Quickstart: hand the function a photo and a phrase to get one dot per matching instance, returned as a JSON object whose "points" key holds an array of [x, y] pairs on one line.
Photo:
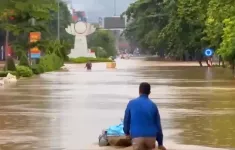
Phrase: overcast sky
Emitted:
{"points": [[100, 8]]}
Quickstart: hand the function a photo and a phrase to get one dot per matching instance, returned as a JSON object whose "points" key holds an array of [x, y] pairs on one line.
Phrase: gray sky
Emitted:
{"points": [[100, 8]]}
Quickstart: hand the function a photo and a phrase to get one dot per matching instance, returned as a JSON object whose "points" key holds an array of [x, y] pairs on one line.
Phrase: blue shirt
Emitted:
{"points": [[142, 119]]}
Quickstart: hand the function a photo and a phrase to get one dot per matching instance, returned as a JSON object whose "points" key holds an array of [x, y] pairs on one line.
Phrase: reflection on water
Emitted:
{"points": [[201, 101], [68, 110]]}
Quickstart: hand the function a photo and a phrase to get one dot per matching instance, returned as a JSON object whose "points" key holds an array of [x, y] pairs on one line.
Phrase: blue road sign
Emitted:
{"points": [[208, 52], [35, 56]]}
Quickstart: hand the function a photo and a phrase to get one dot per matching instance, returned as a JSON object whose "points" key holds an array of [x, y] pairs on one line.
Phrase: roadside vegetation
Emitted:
{"points": [[87, 59], [22, 17], [183, 29]]}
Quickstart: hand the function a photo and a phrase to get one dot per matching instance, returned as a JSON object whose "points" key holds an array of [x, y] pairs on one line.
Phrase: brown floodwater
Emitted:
{"points": [[68, 110]]}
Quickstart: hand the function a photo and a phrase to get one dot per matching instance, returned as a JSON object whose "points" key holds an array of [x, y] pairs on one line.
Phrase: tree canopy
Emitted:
{"points": [[104, 39], [16, 17], [180, 27]]}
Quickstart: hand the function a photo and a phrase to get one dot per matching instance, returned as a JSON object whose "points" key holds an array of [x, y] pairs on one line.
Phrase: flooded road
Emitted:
{"points": [[68, 110]]}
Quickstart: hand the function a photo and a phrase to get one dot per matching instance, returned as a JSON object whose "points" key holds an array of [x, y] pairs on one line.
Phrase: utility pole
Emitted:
{"points": [[32, 61], [6, 49], [115, 7], [58, 20], [115, 30]]}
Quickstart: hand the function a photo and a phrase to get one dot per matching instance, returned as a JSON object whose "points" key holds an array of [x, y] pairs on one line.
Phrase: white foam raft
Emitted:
{"points": [[8, 79]]}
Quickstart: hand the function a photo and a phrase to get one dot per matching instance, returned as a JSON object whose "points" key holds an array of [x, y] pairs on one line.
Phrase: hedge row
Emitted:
{"points": [[4, 73], [87, 59], [46, 63]]}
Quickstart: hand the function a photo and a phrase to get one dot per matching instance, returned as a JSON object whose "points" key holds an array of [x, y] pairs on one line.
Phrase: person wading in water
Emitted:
{"points": [[88, 65], [142, 121]]}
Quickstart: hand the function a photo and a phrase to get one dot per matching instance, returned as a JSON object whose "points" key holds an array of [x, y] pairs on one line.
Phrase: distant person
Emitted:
{"points": [[211, 61], [122, 56], [142, 121], [88, 65]]}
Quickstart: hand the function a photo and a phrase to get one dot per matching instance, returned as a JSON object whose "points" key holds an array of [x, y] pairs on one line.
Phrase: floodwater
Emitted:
{"points": [[68, 110]]}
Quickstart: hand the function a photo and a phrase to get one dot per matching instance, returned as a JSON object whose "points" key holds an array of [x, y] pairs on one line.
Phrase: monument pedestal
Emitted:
{"points": [[80, 48]]}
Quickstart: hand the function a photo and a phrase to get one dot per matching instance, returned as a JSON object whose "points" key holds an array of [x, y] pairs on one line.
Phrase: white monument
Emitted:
{"points": [[80, 30]]}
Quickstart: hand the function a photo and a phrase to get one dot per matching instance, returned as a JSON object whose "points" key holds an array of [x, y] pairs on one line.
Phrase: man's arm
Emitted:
{"points": [[159, 137], [127, 120]]}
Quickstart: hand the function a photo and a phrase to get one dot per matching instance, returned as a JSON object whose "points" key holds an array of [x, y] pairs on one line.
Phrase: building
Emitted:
{"points": [[117, 24], [79, 16], [114, 23]]}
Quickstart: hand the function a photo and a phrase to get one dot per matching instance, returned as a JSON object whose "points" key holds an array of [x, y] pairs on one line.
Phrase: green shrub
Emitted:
{"points": [[24, 71], [42, 70], [36, 69], [50, 62], [10, 64], [86, 59], [24, 60], [66, 58], [100, 52], [104, 39], [4, 73]]}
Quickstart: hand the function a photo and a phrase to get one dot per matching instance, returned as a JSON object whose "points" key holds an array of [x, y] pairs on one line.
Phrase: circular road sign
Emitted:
{"points": [[208, 52]]}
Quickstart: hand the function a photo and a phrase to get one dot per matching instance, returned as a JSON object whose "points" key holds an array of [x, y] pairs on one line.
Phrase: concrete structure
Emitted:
{"points": [[80, 30], [114, 23]]}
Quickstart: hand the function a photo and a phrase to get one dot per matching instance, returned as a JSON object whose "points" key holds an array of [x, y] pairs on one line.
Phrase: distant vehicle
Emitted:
{"points": [[122, 57], [112, 57], [125, 56]]}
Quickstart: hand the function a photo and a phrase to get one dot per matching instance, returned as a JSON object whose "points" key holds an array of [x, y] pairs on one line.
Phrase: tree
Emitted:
{"points": [[218, 11], [104, 39], [99, 52], [183, 27], [146, 19], [45, 14], [24, 60], [227, 46], [10, 66], [16, 15], [65, 20], [175, 26]]}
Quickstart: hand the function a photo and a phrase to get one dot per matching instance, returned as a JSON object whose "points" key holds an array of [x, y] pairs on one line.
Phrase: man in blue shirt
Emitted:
{"points": [[142, 121]]}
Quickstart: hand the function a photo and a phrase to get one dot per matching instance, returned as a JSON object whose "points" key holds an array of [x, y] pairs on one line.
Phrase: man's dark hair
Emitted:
{"points": [[145, 88]]}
